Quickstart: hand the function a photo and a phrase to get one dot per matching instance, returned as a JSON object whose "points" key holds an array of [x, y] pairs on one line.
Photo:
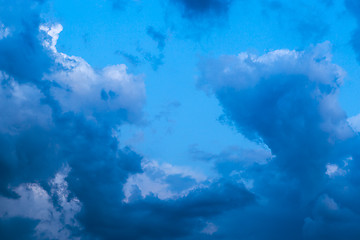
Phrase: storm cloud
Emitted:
{"points": [[289, 101]]}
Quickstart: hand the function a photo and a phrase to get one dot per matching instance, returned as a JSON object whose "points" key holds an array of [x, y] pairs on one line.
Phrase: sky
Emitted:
{"points": [[180, 119]]}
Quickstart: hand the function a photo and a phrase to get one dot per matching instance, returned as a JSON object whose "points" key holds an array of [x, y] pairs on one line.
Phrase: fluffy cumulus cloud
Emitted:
{"points": [[63, 172], [164, 181], [111, 91], [287, 100]]}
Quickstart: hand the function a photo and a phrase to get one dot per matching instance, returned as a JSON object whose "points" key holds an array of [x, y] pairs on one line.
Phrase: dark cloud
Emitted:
{"points": [[22, 57], [288, 100], [331, 221], [203, 8], [17, 228], [151, 218], [21, 52], [24, 158]]}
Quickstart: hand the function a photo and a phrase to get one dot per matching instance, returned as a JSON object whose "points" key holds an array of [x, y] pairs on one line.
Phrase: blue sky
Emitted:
{"points": [[179, 119]]}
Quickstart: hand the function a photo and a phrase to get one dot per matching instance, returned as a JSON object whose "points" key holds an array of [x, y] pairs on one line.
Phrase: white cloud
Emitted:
{"points": [[210, 229], [4, 31], [35, 203], [333, 170], [81, 88], [354, 122], [53, 36], [246, 70], [20, 106], [154, 181]]}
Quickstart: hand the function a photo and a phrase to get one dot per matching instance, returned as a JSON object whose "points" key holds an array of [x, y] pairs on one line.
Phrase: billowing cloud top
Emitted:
{"points": [[289, 100]]}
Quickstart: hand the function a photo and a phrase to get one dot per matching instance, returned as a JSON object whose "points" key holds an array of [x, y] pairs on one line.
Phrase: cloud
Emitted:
{"points": [[272, 85], [152, 218], [26, 109], [333, 170], [210, 229], [155, 60], [233, 154], [157, 37], [40, 107], [60, 112], [17, 228], [203, 8], [4, 31], [354, 122], [80, 88], [134, 60], [331, 221], [21, 54], [53, 221], [353, 7], [163, 181], [288, 100]]}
